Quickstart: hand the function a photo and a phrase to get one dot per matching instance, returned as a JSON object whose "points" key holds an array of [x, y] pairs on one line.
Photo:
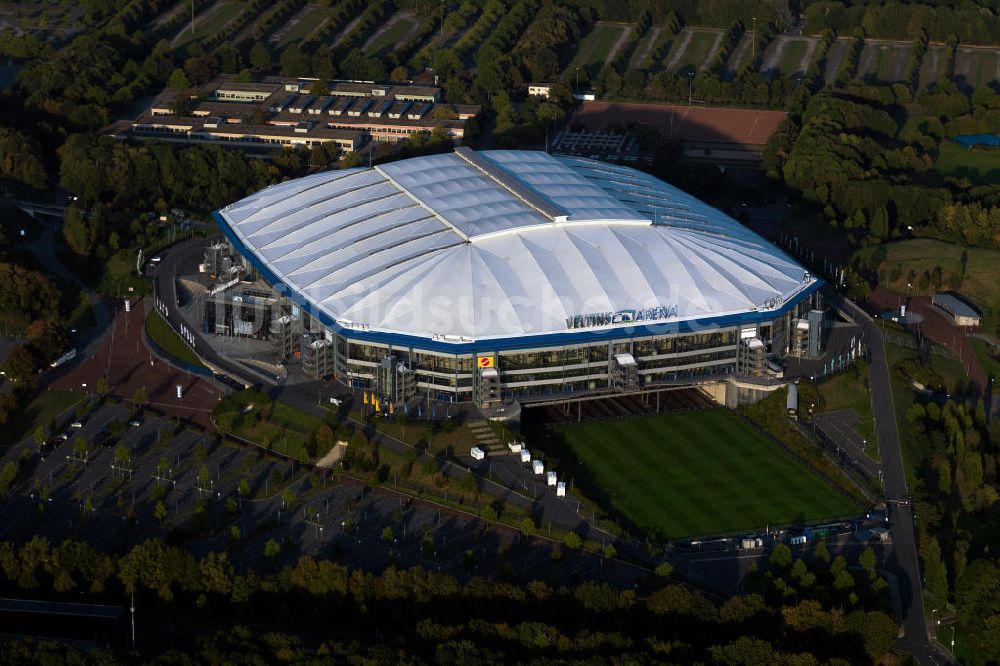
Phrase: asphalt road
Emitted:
{"points": [[183, 259], [916, 640]]}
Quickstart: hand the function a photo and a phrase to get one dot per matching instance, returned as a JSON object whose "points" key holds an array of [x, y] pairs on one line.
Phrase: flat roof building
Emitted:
{"points": [[347, 113], [960, 312]]}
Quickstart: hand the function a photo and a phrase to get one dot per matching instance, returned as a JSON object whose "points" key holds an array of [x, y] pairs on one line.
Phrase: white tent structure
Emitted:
{"points": [[475, 246]]}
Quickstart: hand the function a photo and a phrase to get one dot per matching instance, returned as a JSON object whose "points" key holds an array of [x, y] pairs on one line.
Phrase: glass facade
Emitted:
{"points": [[552, 370]]}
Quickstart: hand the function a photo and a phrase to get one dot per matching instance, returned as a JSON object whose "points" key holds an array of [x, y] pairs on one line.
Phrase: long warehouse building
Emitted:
{"points": [[498, 275]]}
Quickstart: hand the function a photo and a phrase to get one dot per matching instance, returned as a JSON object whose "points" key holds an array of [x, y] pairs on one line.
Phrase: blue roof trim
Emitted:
{"points": [[581, 337]]}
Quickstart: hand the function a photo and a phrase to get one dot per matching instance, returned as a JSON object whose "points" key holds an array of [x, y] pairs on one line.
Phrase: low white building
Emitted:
{"points": [[540, 89]]}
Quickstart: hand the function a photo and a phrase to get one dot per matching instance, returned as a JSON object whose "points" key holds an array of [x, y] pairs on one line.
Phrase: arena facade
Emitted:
{"points": [[491, 275]]}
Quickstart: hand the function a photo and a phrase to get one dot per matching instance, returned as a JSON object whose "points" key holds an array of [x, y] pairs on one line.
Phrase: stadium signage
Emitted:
{"points": [[622, 317]]}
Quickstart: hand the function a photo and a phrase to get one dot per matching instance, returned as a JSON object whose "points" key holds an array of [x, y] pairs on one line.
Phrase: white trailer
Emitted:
{"points": [[551, 479], [525, 455], [538, 467], [561, 489], [477, 453]]}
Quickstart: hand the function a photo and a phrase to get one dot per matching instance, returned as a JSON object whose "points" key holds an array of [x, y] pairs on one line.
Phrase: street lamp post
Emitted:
{"points": [[577, 79], [690, 87], [754, 43]]}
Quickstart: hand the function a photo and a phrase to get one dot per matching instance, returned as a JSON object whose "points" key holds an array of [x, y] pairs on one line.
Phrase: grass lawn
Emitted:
{"points": [[963, 652], [887, 62], [285, 430], [387, 40], [594, 49], [922, 254], [990, 363], [38, 412], [697, 473], [849, 390], [979, 166], [699, 48], [790, 60], [309, 19], [209, 22], [160, 332], [983, 69]]}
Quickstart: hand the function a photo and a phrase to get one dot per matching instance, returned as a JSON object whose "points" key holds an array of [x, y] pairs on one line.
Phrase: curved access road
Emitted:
{"points": [[903, 560]]}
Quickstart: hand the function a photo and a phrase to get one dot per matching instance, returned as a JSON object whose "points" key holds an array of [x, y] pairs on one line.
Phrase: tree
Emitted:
{"points": [[867, 561], [781, 557], [7, 475], [81, 234], [204, 477], [293, 62], [387, 535], [39, 435], [664, 570], [160, 511], [271, 549], [20, 159], [21, 367], [527, 526], [399, 74], [489, 514], [8, 406], [102, 386], [244, 488], [879, 633], [80, 447], [139, 398], [572, 540], [287, 497], [822, 553], [178, 80], [260, 57]]}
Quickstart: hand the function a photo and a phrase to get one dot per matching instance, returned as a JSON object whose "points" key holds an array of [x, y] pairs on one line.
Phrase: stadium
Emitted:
{"points": [[496, 275]]}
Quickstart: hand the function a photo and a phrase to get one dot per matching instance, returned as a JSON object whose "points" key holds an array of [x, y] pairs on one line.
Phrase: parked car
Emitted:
{"points": [[76, 425], [134, 423]]}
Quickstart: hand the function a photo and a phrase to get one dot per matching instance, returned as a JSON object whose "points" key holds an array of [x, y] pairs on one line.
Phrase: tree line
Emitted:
{"points": [[851, 154], [955, 499], [422, 615]]}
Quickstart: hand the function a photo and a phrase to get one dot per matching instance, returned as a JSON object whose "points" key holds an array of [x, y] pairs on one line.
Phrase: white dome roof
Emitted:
{"points": [[476, 246]]}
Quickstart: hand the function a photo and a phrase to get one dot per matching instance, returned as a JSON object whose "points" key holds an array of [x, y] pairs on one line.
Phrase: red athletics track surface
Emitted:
{"points": [[750, 127]]}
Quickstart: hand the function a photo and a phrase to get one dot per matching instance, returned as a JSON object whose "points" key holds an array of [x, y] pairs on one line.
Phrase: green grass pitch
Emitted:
{"points": [[698, 473]]}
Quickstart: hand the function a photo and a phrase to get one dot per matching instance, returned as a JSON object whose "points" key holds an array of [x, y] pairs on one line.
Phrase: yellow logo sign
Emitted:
{"points": [[485, 361]]}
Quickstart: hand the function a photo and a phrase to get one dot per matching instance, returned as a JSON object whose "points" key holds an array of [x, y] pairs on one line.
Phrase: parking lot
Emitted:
{"points": [[839, 430], [154, 479]]}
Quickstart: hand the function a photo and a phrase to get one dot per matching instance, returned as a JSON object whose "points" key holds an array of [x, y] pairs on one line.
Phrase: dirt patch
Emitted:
{"points": [[749, 127]]}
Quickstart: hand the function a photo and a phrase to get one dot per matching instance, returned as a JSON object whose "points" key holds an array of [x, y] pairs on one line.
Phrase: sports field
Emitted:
{"points": [[979, 166], [699, 473], [692, 50], [749, 127], [596, 47]]}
